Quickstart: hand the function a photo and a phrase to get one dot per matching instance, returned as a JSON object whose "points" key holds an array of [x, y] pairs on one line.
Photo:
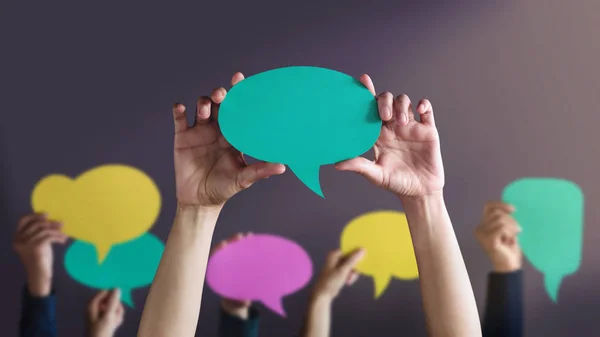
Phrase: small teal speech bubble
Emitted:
{"points": [[127, 266], [303, 117], [550, 212]]}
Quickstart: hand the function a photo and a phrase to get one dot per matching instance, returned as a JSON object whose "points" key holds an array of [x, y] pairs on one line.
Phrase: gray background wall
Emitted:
{"points": [[514, 86]]}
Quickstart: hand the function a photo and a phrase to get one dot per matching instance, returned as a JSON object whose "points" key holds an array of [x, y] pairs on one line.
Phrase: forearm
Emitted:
{"points": [[173, 304], [448, 299], [317, 322]]}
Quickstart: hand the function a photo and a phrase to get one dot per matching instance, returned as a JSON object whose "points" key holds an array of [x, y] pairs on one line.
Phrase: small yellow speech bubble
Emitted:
{"points": [[389, 249], [106, 205]]}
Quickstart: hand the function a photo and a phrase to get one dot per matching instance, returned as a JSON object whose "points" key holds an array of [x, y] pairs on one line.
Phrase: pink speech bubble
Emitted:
{"points": [[261, 267]]}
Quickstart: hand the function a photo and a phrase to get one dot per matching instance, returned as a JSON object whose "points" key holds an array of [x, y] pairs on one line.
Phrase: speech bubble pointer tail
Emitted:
{"points": [[552, 284], [127, 298], [309, 175], [381, 283], [275, 304], [101, 252]]}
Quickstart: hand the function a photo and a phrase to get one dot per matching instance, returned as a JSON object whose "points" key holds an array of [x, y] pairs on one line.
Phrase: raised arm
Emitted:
{"points": [[408, 163], [208, 171], [33, 243], [497, 234], [337, 272]]}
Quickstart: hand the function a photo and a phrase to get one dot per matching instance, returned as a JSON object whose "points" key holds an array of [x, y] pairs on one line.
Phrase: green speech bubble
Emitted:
{"points": [[303, 117], [550, 212], [127, 266]]}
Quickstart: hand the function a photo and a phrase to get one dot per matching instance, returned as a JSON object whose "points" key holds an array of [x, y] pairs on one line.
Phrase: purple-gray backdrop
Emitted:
{"points": [[514, 86]]}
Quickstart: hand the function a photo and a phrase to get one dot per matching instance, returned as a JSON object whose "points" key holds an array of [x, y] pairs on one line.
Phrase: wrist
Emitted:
{"points": [[39, 286], [506, 268], [320, 298], [196, 214], [428, 219]]}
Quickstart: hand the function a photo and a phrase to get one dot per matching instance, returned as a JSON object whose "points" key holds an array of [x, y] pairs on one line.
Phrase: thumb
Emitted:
{"points": [[255, 172], [114, 300], [362, 166]]}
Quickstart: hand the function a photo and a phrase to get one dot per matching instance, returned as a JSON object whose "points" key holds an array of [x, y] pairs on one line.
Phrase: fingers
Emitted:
{"points": [[501, 225], [32, 228], [237, 78], [362, 166], [217, 97], [352, 278], [203, 106], [333, 258], [47, 235], [403, 110], [179, 117], [234, 238], [218, 246], [367, 82], [94, 305], [255, 172], [28, 219], [497, 205], [384, 103], [425, 110], [351, 260]]}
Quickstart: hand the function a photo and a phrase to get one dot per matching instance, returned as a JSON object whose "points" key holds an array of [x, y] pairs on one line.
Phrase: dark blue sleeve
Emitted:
{"points": [[232, 326], [504, 306], [38, 315]]}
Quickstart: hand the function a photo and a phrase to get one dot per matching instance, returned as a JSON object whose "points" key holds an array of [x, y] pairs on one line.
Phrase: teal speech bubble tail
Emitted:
{"points": [[127, 298], [552, 284], [309, 175]]}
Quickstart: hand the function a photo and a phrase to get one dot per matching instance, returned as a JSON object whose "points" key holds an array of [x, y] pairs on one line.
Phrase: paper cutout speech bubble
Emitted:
{"points": [[304, 117], [550, 212], [388, 244], [260, 267], [127, 266], [104, 206]]}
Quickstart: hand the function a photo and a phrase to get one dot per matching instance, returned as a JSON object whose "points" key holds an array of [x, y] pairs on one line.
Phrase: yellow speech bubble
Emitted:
{"points": [[389, 249], [106, 205]]}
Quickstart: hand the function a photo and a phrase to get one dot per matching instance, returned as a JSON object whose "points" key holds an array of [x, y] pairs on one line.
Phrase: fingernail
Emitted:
{"points": [[403, 118], [387, 112], [420, 107]]}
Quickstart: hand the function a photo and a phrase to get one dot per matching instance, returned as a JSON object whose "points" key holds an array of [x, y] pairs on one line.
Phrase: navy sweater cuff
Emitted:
{"points": [[233, 326]]}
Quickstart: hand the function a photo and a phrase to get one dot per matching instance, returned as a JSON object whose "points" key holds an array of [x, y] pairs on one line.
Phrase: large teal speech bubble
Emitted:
{"points": [[550, 212], [127, 266], [303, 117]]}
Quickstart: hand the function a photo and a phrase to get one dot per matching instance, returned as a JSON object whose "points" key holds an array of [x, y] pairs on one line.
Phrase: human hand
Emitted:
{"points": [[105, 314], [408, 160], [497, 234], [208, 170], [33, 243], [238, 308], [337, 272]]}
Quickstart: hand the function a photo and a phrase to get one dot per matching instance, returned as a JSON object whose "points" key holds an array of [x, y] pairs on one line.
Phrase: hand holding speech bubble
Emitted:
{"points": [[387, 241], [260, 267], [304, 117], [104, 206], [550, 212], [127, 266]]}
